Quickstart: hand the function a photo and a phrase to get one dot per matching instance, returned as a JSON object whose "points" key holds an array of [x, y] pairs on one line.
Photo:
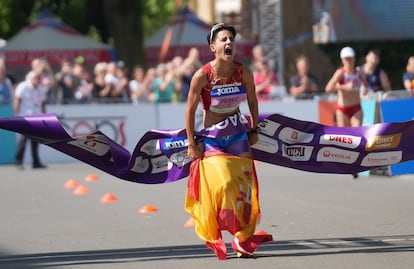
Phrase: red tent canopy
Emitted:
{"points": [[184, 32]]}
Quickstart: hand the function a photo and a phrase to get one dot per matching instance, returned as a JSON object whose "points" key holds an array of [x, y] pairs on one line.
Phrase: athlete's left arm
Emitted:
{"points": [[248, 83]]}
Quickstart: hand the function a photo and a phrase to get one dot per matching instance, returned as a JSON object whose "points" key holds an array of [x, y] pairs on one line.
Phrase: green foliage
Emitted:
{"points": [[13, 16], [156, 14]]}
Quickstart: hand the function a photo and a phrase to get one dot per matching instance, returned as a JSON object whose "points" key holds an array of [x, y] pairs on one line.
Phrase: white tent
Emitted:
{"points": [[50, 38], [185, 31]]}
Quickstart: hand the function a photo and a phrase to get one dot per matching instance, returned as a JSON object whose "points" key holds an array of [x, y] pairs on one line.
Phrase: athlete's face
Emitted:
{"points": [[223, 46], [348, 61]]}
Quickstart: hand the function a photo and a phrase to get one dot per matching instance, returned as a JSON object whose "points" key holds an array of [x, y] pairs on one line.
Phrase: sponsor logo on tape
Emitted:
{"points": [[160, 164], [180, 158], [382, 158], [151, 147], [234, 120], [266, 144], [268, 127], [140, 165], [174, 144], [383, 142], [347, 141], [95, 144], [331, 154], [291, 136], [297, 153]]}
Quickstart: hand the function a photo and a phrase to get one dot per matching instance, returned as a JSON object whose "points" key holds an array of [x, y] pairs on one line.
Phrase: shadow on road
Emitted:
{"points": [[286, 248]]}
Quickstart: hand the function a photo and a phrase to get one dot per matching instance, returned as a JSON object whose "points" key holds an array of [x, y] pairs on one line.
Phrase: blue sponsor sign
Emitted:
{"points": [[399, 110], [7, 138]]}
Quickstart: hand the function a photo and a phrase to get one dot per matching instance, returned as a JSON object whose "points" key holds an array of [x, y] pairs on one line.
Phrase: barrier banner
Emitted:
{"points": [[397, 111], [160, 155], [8, 142]]}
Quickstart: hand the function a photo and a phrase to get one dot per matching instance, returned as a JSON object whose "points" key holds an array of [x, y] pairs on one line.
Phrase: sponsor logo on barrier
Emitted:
{"points": [[297, 153], [383, 142], [95, 144], [266, 144], [347, 141], [140, 165], [291, 136], [382, 158], [180, 158], [151, 147], [331, 154], [160, 164]]}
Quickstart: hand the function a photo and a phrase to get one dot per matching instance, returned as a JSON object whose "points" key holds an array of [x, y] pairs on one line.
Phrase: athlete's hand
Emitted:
{"points": [[193, 151], [253, 138]]}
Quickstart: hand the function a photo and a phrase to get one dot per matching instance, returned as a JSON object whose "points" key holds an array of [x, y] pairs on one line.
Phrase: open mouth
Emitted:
{"points": [[228, 51]]}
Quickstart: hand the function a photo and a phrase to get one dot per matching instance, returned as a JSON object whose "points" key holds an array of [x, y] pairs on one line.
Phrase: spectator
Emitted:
{"points": [[303, 84], [165, 84], [149, 79], [264, 79], [6, 86], [98, 80], [122, 92], [66, 83], [376, 77], [111, 81], [349, 82], [175, 68], [408, 76], [84, 90], [48, 80], [258, 55], [188, 69], [30, 98], [136, 85], [194, 57]]}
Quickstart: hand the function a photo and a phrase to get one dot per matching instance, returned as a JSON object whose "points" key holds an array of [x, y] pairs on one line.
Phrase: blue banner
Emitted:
{"points": [[400, 110], [7, 138]]}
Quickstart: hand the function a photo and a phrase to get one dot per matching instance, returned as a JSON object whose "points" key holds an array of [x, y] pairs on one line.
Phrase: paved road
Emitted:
{"points": [[318, 221]]}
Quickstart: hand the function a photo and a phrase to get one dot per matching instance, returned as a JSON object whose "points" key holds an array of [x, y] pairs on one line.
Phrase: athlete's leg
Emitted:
{"points": [[356, 119], [342, 120]]}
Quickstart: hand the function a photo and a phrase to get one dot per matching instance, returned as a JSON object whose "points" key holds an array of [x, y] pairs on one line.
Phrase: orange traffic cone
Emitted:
{"points": [[147, 209], [189, 223], [91, 177], [71, 183], [80, 190], [109, 198]]}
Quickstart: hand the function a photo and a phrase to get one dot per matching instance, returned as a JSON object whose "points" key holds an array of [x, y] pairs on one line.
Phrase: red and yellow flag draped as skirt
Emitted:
{"points": [[222, 194]]}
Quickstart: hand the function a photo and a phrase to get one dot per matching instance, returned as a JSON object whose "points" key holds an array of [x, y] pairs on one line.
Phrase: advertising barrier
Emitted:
{"points": [[399, 110], [7, 139]]}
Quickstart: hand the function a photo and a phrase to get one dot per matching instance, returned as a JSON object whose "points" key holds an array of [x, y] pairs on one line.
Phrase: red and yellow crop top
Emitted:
{"points": [[223, 94]]}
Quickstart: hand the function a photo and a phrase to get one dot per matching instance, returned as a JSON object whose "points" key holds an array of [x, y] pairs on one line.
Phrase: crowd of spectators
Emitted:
{"points": [[110, 82]]}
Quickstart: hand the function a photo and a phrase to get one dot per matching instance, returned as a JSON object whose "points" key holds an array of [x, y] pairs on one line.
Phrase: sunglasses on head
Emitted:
{"points": [[215, 28]]}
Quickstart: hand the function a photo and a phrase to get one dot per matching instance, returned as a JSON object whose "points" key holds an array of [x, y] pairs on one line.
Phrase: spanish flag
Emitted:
{"points": [[222, 195]]}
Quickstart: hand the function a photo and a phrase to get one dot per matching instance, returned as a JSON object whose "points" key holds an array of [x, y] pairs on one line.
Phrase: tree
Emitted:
{"points": [[121, 23]]}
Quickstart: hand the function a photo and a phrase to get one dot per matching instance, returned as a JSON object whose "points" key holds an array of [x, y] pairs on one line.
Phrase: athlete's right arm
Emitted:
{"points": [[198, 81], [332, 85]]}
